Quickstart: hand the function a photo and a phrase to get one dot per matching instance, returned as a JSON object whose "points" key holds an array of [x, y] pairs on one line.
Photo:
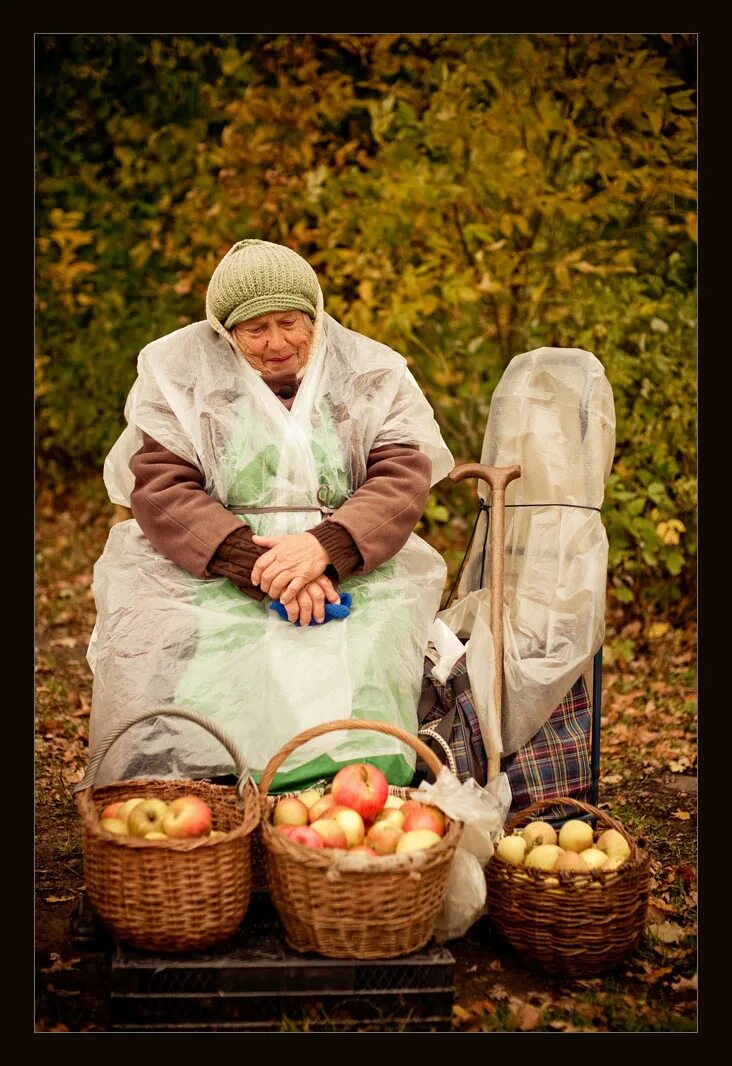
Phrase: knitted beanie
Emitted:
{"points": [[255, 278]]}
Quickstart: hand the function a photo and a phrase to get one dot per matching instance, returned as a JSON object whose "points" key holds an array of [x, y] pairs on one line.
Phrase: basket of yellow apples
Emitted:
{"points": [[573, 902], [167, 863]]}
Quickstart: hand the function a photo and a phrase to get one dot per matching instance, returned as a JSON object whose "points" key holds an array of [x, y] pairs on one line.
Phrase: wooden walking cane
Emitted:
{"points": [[497, 477]]}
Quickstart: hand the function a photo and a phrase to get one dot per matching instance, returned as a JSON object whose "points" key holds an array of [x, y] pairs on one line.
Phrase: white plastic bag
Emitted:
{"points": [[483, 811], [552, 414]]}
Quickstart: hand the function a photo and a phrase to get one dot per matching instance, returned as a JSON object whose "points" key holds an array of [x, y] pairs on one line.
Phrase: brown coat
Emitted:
{"points": [[188, 526]]}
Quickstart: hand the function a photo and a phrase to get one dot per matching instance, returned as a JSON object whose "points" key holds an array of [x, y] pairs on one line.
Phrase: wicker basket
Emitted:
{"points": [[169, 895], [385, 908], [564, 923]]}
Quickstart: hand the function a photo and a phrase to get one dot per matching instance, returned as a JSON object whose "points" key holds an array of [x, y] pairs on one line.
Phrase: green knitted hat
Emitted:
{"points": [[257, 277]]}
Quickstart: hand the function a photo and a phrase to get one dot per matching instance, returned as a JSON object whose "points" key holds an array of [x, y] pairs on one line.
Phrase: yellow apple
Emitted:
{"points": [[595, 859], [416, 840], [543, 856], [613, 843], [124, 811], [114, 825]]}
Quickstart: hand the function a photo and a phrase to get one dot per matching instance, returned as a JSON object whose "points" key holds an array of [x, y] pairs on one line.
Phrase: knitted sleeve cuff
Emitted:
{"points": [[235, 559], [341, 547]]}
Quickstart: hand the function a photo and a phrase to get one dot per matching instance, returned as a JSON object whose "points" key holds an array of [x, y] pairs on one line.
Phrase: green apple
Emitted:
{"points": [[146, 817]]}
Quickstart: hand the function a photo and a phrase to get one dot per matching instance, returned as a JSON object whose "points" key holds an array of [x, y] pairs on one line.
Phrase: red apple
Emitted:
{"points": [[362, 849], [332, 834], [321, 807], [383, 837], [112, 811], [187, 816], [286, 830], [290, 811], [305, 834], [362, 787], [425, 817]]}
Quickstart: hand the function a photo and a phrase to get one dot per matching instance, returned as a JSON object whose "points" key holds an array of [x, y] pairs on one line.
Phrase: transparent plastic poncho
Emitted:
{"points": [[164, 637], [552, 413]]}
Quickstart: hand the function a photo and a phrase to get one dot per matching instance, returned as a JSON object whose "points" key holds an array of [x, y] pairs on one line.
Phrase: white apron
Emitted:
{"points": [[164, 637]]}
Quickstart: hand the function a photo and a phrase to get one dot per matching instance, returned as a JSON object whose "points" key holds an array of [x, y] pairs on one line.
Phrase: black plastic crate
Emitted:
{"points": [[254, 981]]}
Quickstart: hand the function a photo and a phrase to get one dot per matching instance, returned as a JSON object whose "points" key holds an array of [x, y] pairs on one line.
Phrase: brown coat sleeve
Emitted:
{"points": [[383, 512], [173, 509]]}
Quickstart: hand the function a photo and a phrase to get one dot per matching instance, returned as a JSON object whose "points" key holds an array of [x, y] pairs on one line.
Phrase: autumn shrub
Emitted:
{"points": [[464, 198]]}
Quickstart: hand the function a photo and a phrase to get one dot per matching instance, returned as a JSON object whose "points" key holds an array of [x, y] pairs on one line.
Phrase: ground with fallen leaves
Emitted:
{"points": [[648, 782]]}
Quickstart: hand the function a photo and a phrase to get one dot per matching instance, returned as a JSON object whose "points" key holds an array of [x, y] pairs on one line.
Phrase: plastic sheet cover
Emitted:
{"points": [[164, 637], [552, 414]]}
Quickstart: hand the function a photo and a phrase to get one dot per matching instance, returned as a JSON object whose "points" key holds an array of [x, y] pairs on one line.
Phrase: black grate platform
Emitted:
{"points": [[255, 982]]}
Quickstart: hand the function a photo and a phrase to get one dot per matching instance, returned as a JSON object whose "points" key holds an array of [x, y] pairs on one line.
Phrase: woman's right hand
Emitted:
{"points": [[310, 601]]}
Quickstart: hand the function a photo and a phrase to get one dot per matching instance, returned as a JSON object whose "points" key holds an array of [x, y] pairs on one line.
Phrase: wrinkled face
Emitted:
{"points": [[275, 343]]}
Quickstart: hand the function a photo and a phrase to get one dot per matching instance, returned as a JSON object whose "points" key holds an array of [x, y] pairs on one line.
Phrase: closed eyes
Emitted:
{"points": [[258, 330]]}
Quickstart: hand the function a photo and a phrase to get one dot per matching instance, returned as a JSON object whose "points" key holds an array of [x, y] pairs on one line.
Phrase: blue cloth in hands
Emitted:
{"points": [[332, 610]]}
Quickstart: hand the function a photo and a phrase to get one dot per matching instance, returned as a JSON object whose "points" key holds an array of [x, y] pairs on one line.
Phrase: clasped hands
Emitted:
{"points": [[292, 571]]}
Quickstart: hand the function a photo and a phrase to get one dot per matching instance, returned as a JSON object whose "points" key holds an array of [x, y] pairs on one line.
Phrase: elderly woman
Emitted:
{"points": [[272, 459]]}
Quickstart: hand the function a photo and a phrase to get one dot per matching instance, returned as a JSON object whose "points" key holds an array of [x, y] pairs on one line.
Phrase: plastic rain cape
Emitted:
{"points": [[164, 637], [552, 413]]}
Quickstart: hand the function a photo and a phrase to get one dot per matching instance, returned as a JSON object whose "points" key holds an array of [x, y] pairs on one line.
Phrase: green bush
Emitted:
{"points": [[464, 198]]}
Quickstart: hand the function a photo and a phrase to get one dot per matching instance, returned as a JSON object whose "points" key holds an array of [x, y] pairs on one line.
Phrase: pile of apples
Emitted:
{"points": [[153, 819], [575, 849], [360, 816]]}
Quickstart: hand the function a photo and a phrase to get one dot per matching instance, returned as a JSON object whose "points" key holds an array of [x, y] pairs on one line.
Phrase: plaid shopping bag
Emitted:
{"points": [[557, 759], [555, 762], [448, 724]]}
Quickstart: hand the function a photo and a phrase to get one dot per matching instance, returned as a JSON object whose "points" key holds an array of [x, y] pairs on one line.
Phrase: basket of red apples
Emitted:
{"points": [[572, 903], [361, 870], [167, 863]]}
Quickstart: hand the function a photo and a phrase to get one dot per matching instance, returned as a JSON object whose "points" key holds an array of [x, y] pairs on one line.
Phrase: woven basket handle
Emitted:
{"points": [[556, 801], [174, 712], [426, 731], [276, 761]]}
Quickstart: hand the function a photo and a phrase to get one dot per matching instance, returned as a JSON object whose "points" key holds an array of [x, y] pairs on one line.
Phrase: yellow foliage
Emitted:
{"points": [[668, 532]]}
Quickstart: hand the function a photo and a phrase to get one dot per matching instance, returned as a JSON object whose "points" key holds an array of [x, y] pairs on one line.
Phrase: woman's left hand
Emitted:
{"points": [[292, 562], [310, 601]]}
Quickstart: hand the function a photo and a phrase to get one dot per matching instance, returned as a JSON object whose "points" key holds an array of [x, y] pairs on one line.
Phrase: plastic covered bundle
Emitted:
{"points": [[165, 637], [552, 413]]}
